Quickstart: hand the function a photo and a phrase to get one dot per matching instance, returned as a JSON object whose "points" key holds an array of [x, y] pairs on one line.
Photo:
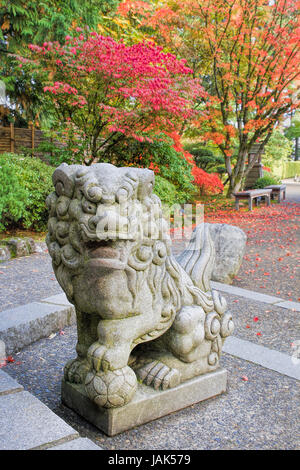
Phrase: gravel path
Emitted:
{"points": [[264, 324], [272, 258], [26, 279]]}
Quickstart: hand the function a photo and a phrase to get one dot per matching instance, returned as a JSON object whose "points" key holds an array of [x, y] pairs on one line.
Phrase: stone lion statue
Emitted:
{"points": [[142, 315]]}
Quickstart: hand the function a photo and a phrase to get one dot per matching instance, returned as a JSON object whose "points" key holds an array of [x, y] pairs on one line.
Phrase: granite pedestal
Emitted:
{"points": [[147, 405]]}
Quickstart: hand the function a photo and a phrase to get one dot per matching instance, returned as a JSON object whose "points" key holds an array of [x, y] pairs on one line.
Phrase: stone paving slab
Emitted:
{"points": [[8, 384], [249, 294], [58, 299], [290, 305], [265, 357], [26, 423], [23, 325], [77, 444]]}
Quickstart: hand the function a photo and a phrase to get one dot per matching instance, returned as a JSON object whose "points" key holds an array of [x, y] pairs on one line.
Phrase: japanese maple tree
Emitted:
{"points": [[25, 21], [247, 53], [105, 92], [208, 183]]}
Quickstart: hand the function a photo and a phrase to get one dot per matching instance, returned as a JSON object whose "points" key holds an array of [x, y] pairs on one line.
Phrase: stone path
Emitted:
{"points": [[259, 410]]}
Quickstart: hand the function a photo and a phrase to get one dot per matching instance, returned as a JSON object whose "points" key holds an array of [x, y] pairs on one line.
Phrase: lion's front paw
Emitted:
{"points": [[158, 375], [95, 355], [76, 370]]}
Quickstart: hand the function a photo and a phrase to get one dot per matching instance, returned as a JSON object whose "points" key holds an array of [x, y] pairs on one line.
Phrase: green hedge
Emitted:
{"points": [[25, 183], [291, 169], [286, 169]]}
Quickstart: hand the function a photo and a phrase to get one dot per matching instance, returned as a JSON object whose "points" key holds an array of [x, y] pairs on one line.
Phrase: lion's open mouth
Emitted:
{"points": [[102, 249], [106, 253]]}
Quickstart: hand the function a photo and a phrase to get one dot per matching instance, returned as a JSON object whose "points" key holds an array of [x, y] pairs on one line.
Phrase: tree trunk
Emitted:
{"points": [[236, 177], [297, 148], [234, 184]]}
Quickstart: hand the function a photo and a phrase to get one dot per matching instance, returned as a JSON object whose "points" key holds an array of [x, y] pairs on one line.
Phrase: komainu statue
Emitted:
{"points": [[142, 315]]}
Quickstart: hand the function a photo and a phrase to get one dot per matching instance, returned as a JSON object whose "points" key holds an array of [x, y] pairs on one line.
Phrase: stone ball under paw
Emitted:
{"points": [[111, 389]]}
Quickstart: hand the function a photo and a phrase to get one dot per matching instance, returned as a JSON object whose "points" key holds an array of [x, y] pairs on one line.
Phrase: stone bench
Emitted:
{"points": [[253, 194], [277, 190]]}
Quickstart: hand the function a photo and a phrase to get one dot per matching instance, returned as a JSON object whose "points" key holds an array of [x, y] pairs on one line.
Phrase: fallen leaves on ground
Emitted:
{"points": [[272, 258], [8, 360]]}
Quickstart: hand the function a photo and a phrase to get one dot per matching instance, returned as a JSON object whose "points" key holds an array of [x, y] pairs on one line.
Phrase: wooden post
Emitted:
{"points": [[250, 203], [12, 137], [32, 138]]}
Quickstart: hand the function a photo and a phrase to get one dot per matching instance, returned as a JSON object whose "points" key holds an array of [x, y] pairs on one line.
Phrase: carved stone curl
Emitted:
{"points": [[141, 313]]}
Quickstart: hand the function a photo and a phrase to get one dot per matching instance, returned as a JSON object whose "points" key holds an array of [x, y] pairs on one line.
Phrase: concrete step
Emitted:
{"points": [[26, 423]]}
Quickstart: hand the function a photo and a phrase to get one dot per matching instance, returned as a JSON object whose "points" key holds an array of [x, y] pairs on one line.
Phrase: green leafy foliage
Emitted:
{"points": [[12, 197], [278, 148], [25, 183], [293, 131], [205, 158], [160, 156], [266, 180], [56, 154], [26, 21], [165, 190]]}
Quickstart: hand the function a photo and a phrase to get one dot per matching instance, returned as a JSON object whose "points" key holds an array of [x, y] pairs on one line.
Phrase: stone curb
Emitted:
{"points": [[265, 357], [257, 296], [27, 424], [28, 323]]}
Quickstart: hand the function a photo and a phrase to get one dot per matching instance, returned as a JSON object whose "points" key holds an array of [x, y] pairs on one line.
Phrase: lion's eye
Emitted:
{"points": [[89, 207]]}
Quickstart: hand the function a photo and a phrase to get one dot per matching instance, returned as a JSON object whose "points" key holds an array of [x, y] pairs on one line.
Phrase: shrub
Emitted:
{"points": [[209, 183], [25, 183], [205, 158], [165, 190], [159, 155], [266, 180], [12, 197]]}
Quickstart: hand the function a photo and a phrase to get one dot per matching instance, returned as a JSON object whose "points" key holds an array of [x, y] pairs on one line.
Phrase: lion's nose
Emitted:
{"points": [[110, 224]]}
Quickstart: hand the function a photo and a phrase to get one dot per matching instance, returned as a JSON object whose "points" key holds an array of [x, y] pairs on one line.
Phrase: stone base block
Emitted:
{"points": [[147, 405]]}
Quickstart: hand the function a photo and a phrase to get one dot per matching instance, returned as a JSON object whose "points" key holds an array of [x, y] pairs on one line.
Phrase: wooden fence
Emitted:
{"points": [[14, 139]]}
